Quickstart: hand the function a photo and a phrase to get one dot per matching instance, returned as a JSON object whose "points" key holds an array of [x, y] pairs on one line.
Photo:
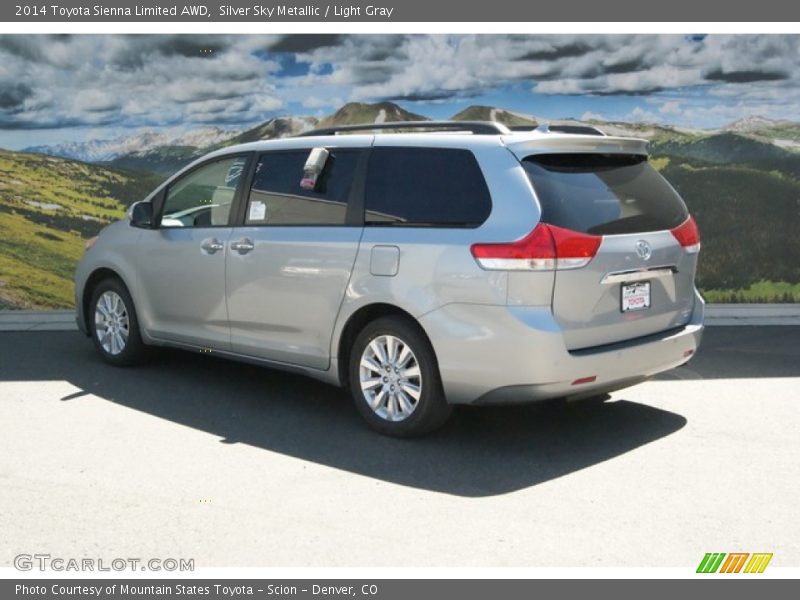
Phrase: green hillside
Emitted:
{"points": [[162, 160], [790, 132], [727, 148], [48, 208], [767, 129], [748, 219]]}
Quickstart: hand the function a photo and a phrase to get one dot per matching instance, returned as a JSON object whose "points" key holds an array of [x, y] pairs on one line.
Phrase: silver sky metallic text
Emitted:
{"points": [[345, 11]]}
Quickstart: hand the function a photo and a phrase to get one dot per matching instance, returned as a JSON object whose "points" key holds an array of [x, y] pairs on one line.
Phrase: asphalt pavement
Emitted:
{"points": [[235, 465]]}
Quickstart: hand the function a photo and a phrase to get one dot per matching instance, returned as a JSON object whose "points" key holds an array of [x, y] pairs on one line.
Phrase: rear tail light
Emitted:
{"points": [[688, 235], [545, 248]]}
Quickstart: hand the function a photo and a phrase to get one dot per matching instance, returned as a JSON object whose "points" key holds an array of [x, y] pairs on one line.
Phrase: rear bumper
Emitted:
{"points": [[506, 355]]}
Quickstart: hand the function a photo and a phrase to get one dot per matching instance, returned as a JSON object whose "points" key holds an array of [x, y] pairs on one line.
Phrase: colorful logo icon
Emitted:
{"points": [[734, 562]]}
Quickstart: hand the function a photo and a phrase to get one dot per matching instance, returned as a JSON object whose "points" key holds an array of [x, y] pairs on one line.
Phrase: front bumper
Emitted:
{"points": [[507, 354]]}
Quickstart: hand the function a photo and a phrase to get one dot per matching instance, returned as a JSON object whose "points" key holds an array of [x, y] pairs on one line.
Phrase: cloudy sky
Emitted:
{"points": [[74, 88]]}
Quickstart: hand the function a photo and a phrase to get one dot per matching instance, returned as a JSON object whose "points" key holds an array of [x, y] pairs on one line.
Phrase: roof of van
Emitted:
{"points": [[474, 134]]}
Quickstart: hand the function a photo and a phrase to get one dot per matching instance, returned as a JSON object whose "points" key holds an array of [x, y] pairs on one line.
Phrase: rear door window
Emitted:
{"points": [[603, 194], [433, 187], [276, 197]]}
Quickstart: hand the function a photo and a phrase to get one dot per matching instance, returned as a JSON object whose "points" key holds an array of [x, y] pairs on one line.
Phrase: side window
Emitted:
{"points": [[203, 198], [425, 187], [277, 198]]}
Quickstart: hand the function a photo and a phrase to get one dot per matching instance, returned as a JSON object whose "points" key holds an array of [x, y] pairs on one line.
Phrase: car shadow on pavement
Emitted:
{"points": [[480, 452]]}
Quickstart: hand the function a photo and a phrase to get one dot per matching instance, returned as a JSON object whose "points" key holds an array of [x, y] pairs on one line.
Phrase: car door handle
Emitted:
{"points": [[212, 245], [243, 246]]}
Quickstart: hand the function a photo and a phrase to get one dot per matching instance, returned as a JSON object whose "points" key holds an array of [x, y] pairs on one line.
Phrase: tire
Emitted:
{"points": [[113, 315], [408, 397]]}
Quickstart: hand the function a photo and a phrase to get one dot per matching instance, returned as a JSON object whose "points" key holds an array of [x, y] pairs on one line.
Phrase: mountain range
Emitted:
{"points": [[752, 139], [142, 142], [741, 182]]}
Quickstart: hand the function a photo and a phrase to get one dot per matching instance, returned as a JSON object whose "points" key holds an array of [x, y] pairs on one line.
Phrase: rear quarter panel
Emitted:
{"points": [[436, 267]]}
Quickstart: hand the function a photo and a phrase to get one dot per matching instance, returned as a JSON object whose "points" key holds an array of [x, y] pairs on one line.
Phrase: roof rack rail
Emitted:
{"points": [[474, 127], [573, 129]]}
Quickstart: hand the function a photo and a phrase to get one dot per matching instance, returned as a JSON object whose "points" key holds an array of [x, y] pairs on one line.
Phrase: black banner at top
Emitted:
{"points": [[470, 11]]}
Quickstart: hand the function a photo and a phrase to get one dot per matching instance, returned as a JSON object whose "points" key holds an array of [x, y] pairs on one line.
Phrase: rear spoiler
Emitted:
{"points": [[543, 144]]}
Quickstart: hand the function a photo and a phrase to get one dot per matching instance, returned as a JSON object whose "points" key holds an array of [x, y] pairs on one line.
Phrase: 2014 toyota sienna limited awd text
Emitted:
{"points": [[445, 263]]}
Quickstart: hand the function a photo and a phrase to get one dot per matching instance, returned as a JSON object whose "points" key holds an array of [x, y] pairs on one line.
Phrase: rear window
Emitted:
{"points": [[431, 187], [603, 194]]}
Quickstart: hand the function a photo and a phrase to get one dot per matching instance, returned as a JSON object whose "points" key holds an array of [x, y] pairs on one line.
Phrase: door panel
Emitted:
{"points": [[182, 263], [289, 264], [285, 293], [184, 285]]}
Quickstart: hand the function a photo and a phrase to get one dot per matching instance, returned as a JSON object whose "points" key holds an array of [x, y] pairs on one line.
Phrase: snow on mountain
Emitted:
{"points": [[140, 143], [278, 127], [500, 115], [751, 124]]}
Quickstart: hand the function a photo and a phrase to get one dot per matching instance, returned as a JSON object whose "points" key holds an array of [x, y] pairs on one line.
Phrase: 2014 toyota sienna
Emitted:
{"points": [[445, 263]]}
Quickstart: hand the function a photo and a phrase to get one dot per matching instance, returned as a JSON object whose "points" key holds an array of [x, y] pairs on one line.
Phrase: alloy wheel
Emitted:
{"points": [[390, 378], [111, 322]]}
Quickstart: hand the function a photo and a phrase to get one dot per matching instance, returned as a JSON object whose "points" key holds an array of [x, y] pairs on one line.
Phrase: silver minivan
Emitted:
{"points": [[417, 265]]}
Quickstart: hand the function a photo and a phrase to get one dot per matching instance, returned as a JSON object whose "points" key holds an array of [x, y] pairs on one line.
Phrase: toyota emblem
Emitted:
{"points": [[643, 250]]}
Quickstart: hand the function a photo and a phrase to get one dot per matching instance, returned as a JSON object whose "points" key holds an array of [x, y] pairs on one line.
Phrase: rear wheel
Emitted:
{"points": [[394, 379], [113, 324]]}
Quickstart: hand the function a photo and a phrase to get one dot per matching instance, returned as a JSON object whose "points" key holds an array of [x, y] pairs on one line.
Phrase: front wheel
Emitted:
{"points": [[114, 326], [394, 379]]}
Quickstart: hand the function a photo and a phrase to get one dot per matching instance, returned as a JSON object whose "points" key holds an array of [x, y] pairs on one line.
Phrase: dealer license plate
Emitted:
{"points": [[635, 296]]}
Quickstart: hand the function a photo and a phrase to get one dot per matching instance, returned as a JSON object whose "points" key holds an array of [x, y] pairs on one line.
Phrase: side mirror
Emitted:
{"points": [[141, 215]]}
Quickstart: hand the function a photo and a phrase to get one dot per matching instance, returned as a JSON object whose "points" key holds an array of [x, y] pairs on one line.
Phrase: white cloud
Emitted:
{"points": [[135, 81], [163, 80], [314, 102], [672, 107], [639, 114]]}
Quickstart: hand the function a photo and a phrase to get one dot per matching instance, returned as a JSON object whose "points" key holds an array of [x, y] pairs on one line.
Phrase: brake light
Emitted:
{"points": [[574, 249], [545, 248], [688, 235]]}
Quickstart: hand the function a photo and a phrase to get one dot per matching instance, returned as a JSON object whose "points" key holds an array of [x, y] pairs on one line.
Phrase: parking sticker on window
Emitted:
{"points": [[258, 211]]}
